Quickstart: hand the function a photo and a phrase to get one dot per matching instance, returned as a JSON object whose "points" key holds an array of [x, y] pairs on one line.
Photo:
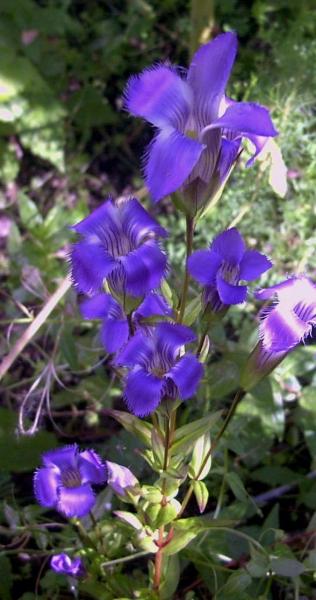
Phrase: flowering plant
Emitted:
{"points": [[159, 339]]}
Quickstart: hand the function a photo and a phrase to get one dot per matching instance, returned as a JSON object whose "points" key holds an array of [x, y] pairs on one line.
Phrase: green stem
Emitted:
{"points": [[238, 397], [190, 224], [117, 561]]}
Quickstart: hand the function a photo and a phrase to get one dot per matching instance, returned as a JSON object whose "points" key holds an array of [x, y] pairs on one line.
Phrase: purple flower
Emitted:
{"points": [[290, 320], [120, 478], [62, 563], [199, 128], [64, 481], [284, 325], [115, 327], [119, 243], [157, 369], [223, 266]]}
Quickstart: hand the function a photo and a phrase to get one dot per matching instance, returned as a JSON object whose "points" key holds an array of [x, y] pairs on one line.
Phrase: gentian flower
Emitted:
{"points": [[120, 478], [223, 266], [62, 563], [199, 128], [119, 243], [64, 481], [156, 368], [290, 321], [284, 325], [115, 326]]}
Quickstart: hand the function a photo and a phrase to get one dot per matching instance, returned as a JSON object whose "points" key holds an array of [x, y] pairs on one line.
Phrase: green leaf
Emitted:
{"points": [[158, 448], [25, 452], [187, 435], [29, 214], [287, 567], [201, 448], [142, 429], [6, 581], [170, 577], [203, 523], [179, 541], [236, 584], [192, 311], [223, 378], [237, 486], [201, 494]]}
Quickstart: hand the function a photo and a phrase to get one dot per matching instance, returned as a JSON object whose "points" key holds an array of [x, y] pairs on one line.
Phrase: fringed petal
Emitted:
{"points": [[253, 264], [231, 294], [160, 96], [229, 245], [208, 76], [170, 159], [186, 374], [142, 392], [76, 501], [203, 266]]}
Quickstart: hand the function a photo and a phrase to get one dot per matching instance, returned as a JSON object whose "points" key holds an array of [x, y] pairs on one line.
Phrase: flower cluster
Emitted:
{"points": [[119, 265]]}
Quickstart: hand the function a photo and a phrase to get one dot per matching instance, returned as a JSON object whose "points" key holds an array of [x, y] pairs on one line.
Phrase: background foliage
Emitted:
{"points": [[64, 145]]}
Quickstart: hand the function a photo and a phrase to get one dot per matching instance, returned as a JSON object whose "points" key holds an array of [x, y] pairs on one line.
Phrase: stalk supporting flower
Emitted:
{"points": [[199, 128], [157, 369], [120, 244], [221, 268], [285, 324], [65, 479]]}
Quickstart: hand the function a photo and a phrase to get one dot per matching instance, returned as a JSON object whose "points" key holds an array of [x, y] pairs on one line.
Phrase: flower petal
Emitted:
{"points": [[208, 76], [144, 268], [120, 478], [231, 294], [259, 142], [229, 245], [142, 392], [138, 223], [114, 334], [102, 217], [91, 467], [186, 374], [203, 265], [46, 482], [228, 155], [76, 501], [138, 350], [99, 306], [62, 563], [90, 264], [170, 159], [246, 118], [160, 96], [170, 337], [152, 305], [253, 264], [63, 458], [281, 330]]}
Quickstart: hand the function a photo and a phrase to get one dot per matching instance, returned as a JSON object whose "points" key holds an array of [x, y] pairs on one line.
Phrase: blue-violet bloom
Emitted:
{"points": [[199, 128], [62, 563], [157, 369], [119, 243], [223, 266], [64, 481], [115, 326], [290, 320], [120, 478]]}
